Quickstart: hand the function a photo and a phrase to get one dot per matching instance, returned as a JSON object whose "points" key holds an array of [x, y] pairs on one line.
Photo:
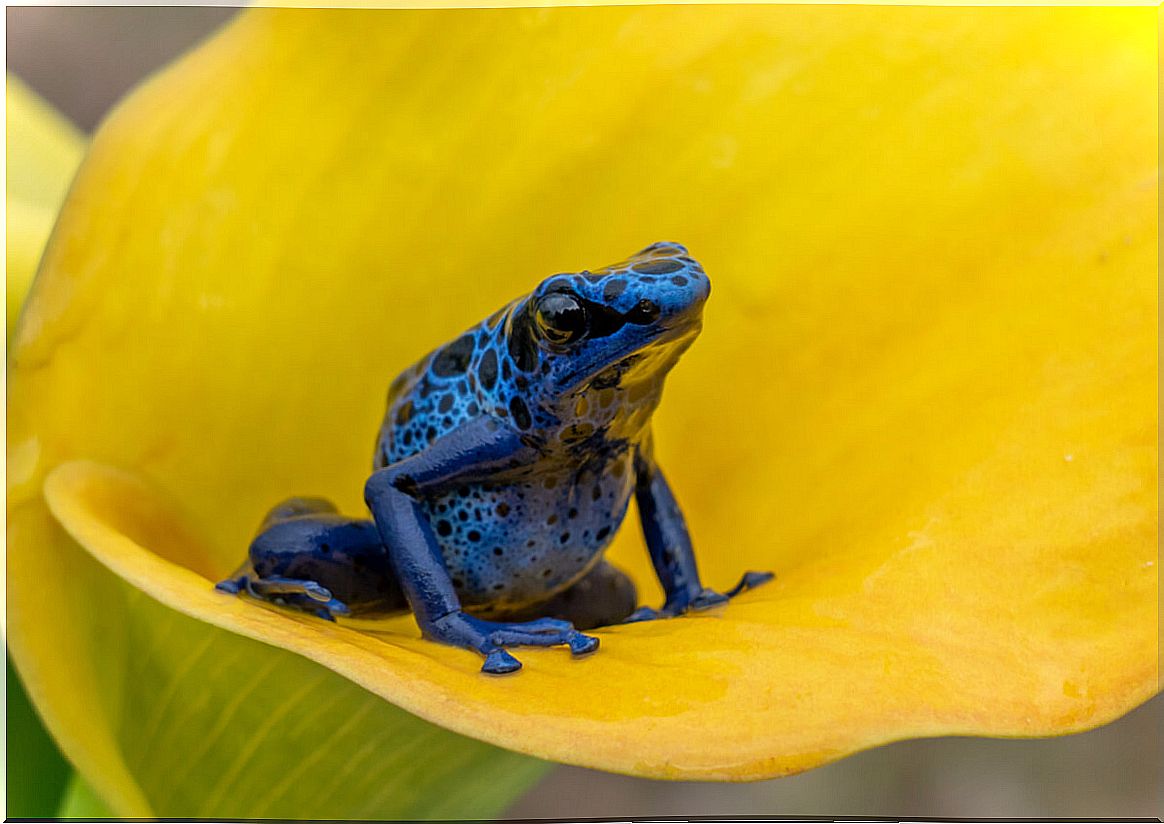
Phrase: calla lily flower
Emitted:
{"points": [[925, 394]]}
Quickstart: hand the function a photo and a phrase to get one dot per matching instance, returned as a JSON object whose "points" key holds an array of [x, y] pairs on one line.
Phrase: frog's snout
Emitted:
{"points": [[674, 281], [697, 287], [682, 304]]}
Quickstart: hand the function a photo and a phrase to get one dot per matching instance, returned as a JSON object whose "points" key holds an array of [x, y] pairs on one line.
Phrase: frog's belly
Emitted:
{"points": [[510, 546]]}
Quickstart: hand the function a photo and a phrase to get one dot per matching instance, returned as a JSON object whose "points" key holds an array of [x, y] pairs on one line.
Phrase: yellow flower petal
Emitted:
{"points": [[42, 147], [925, 393], [42, 150]]}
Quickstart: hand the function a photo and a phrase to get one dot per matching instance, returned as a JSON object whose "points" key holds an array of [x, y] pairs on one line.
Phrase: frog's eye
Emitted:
{"points": [[561, 318]]}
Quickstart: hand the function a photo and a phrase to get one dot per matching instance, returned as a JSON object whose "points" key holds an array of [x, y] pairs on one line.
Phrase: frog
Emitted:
{"points": [[503, 467]]}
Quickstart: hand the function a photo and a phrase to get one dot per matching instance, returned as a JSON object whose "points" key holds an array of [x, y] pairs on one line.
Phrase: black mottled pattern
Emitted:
{"points": [[520, 412], [658, 267], [487, 370], [453, 359]]}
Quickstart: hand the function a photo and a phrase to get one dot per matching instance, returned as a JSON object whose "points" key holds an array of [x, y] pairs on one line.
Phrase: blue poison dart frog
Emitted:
{"points": [[504, 465]]}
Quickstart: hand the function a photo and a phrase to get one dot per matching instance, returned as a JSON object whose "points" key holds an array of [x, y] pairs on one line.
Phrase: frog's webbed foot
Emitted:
{"points": [[490, 638], [704, 599], [306, 595]]}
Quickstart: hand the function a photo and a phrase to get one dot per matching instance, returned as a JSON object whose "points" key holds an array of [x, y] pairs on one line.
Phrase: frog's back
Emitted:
{"points": [[442, 391]]}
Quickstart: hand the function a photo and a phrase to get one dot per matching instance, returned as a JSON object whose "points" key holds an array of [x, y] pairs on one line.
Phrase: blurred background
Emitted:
{"points": [[83, 59]]}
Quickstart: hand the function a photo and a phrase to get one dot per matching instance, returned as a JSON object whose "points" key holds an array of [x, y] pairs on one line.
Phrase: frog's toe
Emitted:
{"points": [[317, 592], [267, 587], [232, 585], [500, 662], [751, 580], [582, 644], [642, 614], [334, 607], [328, 610]]}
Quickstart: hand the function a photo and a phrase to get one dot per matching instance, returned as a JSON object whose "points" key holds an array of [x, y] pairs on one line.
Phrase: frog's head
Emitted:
{"points": [[620, 327]]}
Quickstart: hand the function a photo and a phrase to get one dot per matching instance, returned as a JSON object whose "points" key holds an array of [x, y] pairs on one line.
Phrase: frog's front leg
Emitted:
{"points": [[670, 549], [477, 451]]}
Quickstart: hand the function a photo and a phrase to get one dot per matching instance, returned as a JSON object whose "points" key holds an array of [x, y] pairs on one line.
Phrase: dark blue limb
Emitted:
{"points": [[481, 450], [308, 556], [304, 594], [672, 555]]}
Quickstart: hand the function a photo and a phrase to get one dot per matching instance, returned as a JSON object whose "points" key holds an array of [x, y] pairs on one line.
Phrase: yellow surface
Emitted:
{"points": [[42, 151], [925, 394]]}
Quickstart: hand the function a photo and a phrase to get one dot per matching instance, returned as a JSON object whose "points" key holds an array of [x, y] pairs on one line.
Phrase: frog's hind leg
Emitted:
{"points": [[245, 576], [306, 595], [303, 594], [308, 556], [603, 597]]}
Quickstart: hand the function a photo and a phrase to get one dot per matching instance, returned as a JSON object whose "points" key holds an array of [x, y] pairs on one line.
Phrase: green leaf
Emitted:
{"points": [[36, 770], [227, 726]]}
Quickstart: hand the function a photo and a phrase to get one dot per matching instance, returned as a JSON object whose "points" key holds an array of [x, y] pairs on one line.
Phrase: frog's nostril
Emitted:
{"points": [[643, 312]]}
